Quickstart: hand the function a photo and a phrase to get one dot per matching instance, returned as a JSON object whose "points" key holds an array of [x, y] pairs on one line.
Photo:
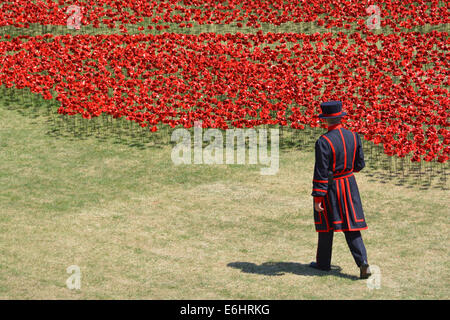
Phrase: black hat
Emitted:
{"points": [[331, 109]]}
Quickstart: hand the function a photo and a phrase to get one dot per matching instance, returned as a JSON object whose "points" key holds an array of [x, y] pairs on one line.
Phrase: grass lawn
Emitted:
{"points": [[140, 227]]}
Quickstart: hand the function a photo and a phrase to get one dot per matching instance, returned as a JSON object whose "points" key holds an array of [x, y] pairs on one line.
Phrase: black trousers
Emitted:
{"points": [[354, 242]]}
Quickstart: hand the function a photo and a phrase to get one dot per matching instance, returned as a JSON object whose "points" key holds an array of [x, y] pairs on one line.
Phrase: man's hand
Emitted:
{"points": [[318, 206]]}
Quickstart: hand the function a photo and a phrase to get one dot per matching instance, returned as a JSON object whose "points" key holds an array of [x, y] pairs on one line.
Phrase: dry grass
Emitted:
{"points": [[141, 228]]}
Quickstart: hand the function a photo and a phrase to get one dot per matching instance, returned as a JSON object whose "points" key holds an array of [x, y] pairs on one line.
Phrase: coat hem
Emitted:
{"points": [[342, 230]]}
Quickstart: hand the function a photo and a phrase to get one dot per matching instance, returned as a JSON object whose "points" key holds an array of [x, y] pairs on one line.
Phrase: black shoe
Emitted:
{"points": [[316, 266], [364, 271]]}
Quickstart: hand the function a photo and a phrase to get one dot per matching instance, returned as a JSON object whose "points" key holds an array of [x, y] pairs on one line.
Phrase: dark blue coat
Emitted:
{"points": [[339, 154]]}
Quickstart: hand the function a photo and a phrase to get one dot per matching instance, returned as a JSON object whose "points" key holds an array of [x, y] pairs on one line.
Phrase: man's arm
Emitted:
{"points": [[320, 179], [359, 156]]}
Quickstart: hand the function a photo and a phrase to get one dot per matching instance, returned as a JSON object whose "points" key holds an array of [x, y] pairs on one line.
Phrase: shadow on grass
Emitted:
{"points": [[103, 134], [280, 268], [105, 129]]}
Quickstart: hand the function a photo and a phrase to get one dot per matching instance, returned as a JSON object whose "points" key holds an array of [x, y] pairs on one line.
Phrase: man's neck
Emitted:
{"points": [[334, 126]]}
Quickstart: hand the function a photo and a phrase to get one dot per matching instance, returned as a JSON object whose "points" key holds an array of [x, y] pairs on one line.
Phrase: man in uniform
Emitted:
{"points": [[337, 204]]}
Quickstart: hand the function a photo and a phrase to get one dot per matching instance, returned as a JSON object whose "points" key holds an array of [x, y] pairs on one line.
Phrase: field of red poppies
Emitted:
{"points": [[394, 86], [90, 92], [186, 13]]}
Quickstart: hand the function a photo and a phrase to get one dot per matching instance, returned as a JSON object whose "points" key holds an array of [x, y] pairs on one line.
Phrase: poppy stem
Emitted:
{"points": [[403, 168], [430, 174], [420, 171]]}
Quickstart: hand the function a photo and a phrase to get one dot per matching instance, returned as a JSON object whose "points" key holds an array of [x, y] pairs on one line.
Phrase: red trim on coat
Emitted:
{"points": [[342, 230], [345, 202], [329, 228], [321, 190], [343, 177], [339, 201], [334, 153], [326, 214], [337, 175], [345, 151], [354, 150], [334, 126], [320, 181], [351, 201]]}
